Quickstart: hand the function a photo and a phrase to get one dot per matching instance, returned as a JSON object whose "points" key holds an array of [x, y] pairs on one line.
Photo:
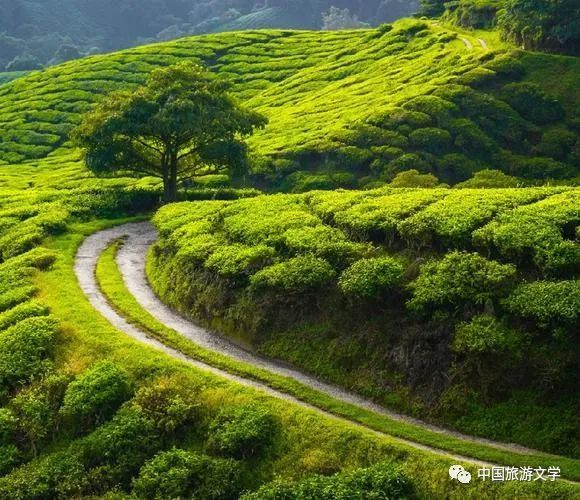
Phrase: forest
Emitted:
{"points": [[332, 260]]}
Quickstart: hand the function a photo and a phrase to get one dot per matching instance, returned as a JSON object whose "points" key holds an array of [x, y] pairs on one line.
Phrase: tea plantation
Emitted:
{"points": [[346, 108], [455, 305]]}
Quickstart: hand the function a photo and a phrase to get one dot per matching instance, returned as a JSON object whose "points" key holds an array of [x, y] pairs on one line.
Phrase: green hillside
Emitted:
{"points": [[454, 305], [364, 104], [439, 302]]}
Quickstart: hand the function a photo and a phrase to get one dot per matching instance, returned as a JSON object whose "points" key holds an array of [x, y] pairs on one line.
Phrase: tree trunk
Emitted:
{"points": [[170, 181]]}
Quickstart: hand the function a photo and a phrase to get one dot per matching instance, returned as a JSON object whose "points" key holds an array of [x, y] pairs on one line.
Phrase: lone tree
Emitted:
{"points": [[180, 125]]}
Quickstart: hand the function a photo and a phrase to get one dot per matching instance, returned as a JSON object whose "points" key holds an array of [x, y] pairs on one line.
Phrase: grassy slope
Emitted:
{"points": [[292, 76]]}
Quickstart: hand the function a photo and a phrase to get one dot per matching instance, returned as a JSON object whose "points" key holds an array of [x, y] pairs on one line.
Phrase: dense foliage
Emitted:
{"points": [[467, 278], [180, 125]]}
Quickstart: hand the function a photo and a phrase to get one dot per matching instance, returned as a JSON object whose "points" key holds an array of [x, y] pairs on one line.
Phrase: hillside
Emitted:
{"points": [[318, 343], [363, 105], [46, 32]]}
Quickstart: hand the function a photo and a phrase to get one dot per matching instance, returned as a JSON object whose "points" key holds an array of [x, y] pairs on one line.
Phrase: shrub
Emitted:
{"points": [[322, 241], [532, 103], [168, 403], [95, 395], [117, 449], [490, 179], [242, 431], [183, 474], [412, 178], [433, 140], [371, 278], [484, 334], [7, 426], [297, 275], [36, 409], [379, 481], [24, 351], [547, 302], [21, 312], [408, 161], [436, 107], [459, 279], [557, 143], [237, 260], [58, 475]]}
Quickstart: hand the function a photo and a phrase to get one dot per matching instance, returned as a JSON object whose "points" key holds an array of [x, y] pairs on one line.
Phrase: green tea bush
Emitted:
{"points": [[380, 481], [432, 140], [58, 475], [36, 409], [489, 179], [95, 395], [459, 280], [25, 350], [242, 432], [485, 334], [8, 423], [21, 312], [118, 449], [558, 143], [414, 179], [296, 276], [170, 405], [182, 474], [532, 103], [371, 278], [548, 303], [237, 260]]}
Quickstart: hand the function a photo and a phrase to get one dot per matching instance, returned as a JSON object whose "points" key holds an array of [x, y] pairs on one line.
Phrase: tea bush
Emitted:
{"points": [[371, 278], [242, 431]]}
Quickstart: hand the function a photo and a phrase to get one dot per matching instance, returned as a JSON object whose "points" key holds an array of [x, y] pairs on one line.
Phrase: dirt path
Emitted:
{"points": [[467, 42], [131, 261], [483, 43]]}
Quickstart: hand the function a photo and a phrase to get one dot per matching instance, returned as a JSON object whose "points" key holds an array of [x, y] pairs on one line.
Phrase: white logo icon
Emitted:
{"points": [[460, 474]]}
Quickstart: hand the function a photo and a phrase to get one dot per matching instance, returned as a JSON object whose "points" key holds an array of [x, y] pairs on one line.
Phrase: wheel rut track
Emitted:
{"points": [[131, 260]]}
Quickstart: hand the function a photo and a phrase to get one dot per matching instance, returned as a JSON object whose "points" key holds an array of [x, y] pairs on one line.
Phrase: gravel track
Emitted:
{"points": [[131, 260]]}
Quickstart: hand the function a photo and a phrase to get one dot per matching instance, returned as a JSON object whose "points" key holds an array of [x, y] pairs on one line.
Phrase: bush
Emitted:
{"points": [[242, 431], [547, 302], [183, 474], [460, 279], [237, 260], [7, 426], [95, 395], [432, 140], [21, 312], [557, 143], [59, 475], [169, 404], [36, 409], [371, 278], [532, 103], [380, 481], [297, 275], [490, 179], [24, 351], [413, 179], [484, 335]]}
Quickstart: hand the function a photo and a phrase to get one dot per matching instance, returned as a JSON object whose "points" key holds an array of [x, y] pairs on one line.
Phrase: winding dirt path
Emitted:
{"points": [[131, 261]]}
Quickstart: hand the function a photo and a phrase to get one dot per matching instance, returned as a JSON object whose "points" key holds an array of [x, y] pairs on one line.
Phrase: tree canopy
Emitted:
{"points": [[181, 124], [542, 24]]}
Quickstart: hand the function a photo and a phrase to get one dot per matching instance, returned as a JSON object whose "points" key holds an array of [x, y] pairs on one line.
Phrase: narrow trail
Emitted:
{"points": [[467, 42], [483, 43], [131, 260]]}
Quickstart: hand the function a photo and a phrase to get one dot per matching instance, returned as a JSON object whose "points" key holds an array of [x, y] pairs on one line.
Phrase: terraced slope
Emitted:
{"points": [[369, 103]]}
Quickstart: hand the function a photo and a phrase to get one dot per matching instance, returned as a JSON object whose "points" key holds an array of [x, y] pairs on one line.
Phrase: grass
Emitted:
{"points": [[111, 283]]}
